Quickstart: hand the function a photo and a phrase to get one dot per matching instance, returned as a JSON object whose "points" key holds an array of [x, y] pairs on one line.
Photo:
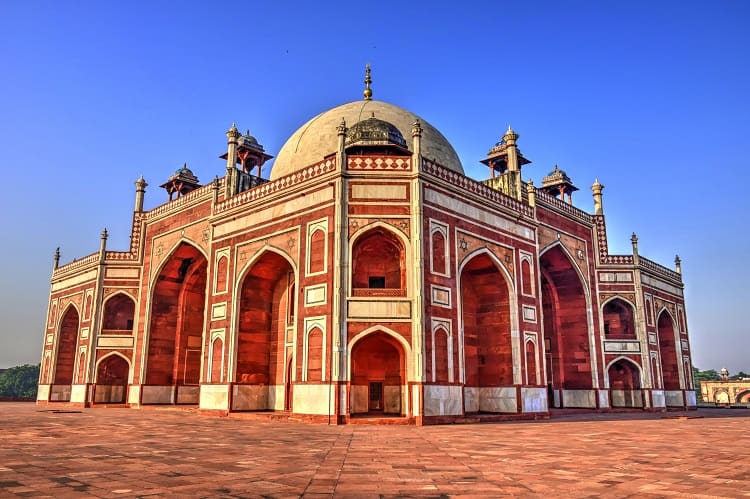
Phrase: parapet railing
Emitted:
{"points": [[558, 205], [390, 163], [617, 259], [199, 193], [651, 266], [475, 187], [268, 188], [378, 292], [77, 264]]}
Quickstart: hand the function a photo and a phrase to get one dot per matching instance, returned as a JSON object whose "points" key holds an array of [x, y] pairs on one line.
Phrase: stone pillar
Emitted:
{"points": [[514, 169], [215, 188], [56, 259], [678, 264], [597, 190], [140, 191], [340, 279], [531, 191], [103, 245], [634, 241], [230, 186]]}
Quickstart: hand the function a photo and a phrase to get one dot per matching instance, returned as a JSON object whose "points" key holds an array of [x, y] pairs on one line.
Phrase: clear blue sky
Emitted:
{"points": [[652, 98]]}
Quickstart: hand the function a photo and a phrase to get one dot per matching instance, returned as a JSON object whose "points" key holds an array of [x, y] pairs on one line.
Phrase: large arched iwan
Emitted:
{"points": [[177, 314], [565, 323], [67, 338], [266, 309], [485, 311], [670, 368]]}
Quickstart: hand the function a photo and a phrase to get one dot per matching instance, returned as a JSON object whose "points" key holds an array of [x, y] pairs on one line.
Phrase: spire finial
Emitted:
{"points": [[368, 91]]}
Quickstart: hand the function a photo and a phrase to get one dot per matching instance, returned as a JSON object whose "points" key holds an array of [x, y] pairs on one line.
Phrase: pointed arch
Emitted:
{"points": [[317, 255], [118, 313], [488, 319], [66, 345], [111, 354], [378, 261], [624, 377], [567, 321], [631, 361], [168, 254], [373, 329], [618, 318], [265, 301], [377, 372], [221, 274], [500, 267], [569, 255], [113, 373], [669, 351], [442, 365], [176, 320], [531, 352]]}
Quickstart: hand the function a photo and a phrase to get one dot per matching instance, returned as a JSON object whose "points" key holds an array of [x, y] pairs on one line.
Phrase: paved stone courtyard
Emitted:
{"points": [[168, 452]]}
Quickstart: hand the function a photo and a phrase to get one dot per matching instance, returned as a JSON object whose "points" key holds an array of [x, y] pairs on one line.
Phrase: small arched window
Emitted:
{"points": [[438, 252], [526, 277], [315, 355], [217, 348], [317, 252]]}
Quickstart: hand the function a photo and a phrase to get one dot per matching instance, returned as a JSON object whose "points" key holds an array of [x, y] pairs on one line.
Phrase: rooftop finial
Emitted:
{"points": [[368, 91]]}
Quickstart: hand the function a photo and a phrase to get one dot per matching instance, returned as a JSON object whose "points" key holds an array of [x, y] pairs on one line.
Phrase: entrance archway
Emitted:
{"points": [[65, 362], [486, 319], [266, 314], [565, 325], [625, 384], [670, 368], [112, 380], [176, 328], [378, 376], [743, 397]]}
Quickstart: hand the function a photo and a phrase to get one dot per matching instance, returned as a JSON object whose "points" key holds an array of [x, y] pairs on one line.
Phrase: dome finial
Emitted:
{"points": [[368, 91]]}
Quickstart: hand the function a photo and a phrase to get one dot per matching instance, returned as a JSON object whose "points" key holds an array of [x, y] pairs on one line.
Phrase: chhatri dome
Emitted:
{"points": [[318, 137]]}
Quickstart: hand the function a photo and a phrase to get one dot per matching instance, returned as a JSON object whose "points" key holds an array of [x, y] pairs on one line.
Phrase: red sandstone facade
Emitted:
{"points": [[375, 279]]}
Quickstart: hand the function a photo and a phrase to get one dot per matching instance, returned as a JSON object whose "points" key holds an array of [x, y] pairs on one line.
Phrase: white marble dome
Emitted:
{"points": [[317, 138]]}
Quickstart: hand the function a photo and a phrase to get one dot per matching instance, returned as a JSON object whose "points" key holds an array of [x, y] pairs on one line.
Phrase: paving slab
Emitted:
{"points": [[107, 452]]}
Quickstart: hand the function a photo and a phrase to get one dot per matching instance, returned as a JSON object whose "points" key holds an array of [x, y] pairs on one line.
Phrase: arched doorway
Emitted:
{"points": [[378, 376], [266, 325], [566, 333], [670, 368], [625, 384], [176, 329], [486, 319], [743, 397], [65, 362], [111, 380]]}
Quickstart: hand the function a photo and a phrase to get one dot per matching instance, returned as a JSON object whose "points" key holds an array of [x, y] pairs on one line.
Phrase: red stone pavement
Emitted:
{"points": [[172, 452]]}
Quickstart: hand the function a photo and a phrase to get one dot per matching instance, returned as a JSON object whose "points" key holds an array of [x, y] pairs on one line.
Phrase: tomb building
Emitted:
{"points": [[368, 276]]}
